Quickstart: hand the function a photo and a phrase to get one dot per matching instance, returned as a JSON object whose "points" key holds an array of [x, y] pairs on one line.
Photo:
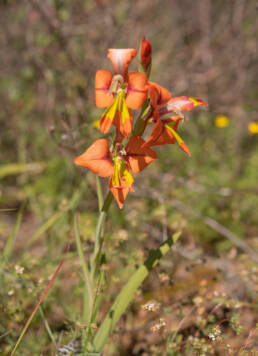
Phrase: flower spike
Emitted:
{"points": [[120, 92]]}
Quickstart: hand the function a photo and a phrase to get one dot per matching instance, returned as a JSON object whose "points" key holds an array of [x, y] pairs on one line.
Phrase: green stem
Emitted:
{"points": [[99, 231], [86, 273], [95, 274], [99, 193], [140, 122]]}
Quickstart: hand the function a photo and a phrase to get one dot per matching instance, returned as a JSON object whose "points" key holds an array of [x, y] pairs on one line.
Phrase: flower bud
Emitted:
{"points": [[145, 56]]}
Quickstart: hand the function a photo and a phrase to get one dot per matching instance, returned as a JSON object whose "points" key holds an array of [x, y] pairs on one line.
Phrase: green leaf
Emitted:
{"points": [[18, 168], [127, 293]]}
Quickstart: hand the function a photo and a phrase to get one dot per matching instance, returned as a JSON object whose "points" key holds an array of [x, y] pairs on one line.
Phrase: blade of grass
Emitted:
{"points": [[54, 218], [37, 306], [88, 290], [12, 238], [49, 331], [17, 168], [127, 293]]}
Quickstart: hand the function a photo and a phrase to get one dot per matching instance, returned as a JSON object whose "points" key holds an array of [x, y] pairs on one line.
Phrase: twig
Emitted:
{"points": [[217, 227]]}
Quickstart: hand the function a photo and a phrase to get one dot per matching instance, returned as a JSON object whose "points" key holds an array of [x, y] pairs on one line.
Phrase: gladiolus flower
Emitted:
{"points": [[158, 95], [164, 106], [117, 164], [119, 92], [165, 132]]}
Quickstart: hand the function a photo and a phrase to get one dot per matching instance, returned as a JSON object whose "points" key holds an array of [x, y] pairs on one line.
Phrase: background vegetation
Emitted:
{"points": [[201, 299]]}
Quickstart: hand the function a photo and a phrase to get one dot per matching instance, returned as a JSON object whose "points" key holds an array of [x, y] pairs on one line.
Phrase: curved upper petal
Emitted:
{"points": [[137, 90], [103, 81], [97, 158], [158, 94], [121, 58], [138, 157]]}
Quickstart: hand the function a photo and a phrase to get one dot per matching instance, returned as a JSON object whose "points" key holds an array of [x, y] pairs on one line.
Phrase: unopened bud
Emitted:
{"points": [[145, 56]]}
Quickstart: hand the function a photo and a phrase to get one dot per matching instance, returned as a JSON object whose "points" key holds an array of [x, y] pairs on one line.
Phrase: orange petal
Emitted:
{"points": [[138, 157], [162, 94], [136, 90], [160, 134], [157, 131], [123, 124], [120, 194], [97, 158], [105, 124], [185, 148], [120, 59], [153, 95], [103, 80]]}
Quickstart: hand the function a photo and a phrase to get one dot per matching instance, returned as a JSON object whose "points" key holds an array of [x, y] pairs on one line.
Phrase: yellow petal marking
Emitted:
{"points": [[96, 124], [121, 172], [110, 112], [174, 133], [194, 101], [122, 107]]}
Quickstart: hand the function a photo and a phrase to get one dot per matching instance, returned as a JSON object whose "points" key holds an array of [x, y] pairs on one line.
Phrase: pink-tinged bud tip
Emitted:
{"points": [[185, 149]]}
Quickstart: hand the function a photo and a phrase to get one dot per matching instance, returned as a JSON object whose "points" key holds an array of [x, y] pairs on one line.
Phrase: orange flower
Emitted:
{"points": [[158, 95], [120, 92], [163, 108], [165, 132], [117, 164]]}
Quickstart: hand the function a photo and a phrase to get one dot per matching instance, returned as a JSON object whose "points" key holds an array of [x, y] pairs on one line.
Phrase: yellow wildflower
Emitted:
{"points": [[253, 128], [221, 121]]}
